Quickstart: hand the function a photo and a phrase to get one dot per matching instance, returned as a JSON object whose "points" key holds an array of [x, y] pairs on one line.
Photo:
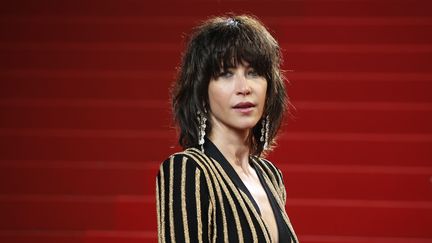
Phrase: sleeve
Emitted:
{"points": [[183, 203]]}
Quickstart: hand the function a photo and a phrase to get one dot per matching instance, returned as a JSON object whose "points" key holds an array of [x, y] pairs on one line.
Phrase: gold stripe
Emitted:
{"points": [[277, 176], [282, 188], [183, 201], [220, 199], [209, 223], [264, 167], [233, 206], [281, 185], [273, 191], [212, 202], [162, 194], [271, 186], [212, 163], [158, 211], [246, 199], [170, 200], [270, 173], [206, 176], [198, 204]]}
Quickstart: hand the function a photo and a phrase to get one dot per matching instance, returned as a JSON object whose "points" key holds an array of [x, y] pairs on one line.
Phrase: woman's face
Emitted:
{"points": [[237, 98]]}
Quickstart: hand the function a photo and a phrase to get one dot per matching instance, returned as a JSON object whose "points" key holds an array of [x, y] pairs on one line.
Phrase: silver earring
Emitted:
{"points": [[202, 127], [265, 127]]}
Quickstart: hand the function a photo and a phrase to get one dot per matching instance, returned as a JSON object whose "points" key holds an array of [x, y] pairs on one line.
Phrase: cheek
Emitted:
{"points": [[216, 95]]}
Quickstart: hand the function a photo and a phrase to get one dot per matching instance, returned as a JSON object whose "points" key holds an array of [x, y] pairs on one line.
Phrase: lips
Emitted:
{"points": [[244, 105]]}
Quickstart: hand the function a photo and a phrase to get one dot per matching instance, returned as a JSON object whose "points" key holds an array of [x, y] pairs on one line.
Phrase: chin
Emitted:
{"points": [[246, 125]]}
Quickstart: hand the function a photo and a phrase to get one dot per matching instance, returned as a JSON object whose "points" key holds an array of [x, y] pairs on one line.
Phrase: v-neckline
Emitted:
{"points": [[212, 151]]}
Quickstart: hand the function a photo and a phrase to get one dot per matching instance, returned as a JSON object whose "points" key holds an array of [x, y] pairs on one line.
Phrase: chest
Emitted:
{"points": [[260, 196]]}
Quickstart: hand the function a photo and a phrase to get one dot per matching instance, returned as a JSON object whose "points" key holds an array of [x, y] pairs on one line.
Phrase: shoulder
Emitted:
{"points": [[181, 174], [188, 160]]}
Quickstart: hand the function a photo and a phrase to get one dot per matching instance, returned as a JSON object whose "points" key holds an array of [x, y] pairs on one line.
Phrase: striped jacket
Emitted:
{"points": [[200, 198]]}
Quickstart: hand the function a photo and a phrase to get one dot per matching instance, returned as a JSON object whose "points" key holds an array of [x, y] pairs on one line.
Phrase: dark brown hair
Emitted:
{"points": [[215, 45]]}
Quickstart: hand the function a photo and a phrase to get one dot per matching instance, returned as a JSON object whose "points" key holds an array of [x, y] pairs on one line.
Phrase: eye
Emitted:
{"points": [[252, 73], [225, 74]]}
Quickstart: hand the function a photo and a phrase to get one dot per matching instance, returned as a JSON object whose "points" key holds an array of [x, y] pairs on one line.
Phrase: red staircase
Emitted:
{"points": [[85, 119]]}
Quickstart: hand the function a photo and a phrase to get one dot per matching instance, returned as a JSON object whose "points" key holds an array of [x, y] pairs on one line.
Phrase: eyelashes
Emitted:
{"points": [[228, 73], [225, 74]]}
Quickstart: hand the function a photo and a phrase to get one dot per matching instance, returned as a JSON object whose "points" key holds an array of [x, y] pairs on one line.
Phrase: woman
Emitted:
{"points": [[228, 102]]}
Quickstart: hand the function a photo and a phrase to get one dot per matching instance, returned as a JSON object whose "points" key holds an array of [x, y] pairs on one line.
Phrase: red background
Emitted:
{"points": [[85, 119]]}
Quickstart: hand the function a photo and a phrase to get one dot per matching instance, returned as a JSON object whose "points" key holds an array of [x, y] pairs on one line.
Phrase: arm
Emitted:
{"points": [[182, 201]]}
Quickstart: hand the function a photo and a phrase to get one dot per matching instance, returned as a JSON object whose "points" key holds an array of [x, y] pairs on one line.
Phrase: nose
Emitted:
{"points": [[242, 85]]}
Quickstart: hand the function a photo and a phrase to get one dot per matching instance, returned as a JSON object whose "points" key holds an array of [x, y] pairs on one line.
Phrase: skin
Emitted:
{"points": [[231, 127]]}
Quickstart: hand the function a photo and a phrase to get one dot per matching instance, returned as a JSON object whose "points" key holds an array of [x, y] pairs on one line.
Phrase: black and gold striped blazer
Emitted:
{"points": [[200, 198]]}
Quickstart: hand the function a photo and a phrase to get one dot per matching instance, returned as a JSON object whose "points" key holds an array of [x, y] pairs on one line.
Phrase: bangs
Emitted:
{"points": [[234, 45]]}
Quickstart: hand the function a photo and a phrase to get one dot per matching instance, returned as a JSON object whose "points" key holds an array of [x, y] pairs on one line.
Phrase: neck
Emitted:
{"points": [[234, 145]]}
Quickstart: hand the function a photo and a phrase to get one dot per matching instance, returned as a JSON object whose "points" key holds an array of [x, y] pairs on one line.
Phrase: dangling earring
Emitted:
{"points": [[202, 127], [265, 127]]}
